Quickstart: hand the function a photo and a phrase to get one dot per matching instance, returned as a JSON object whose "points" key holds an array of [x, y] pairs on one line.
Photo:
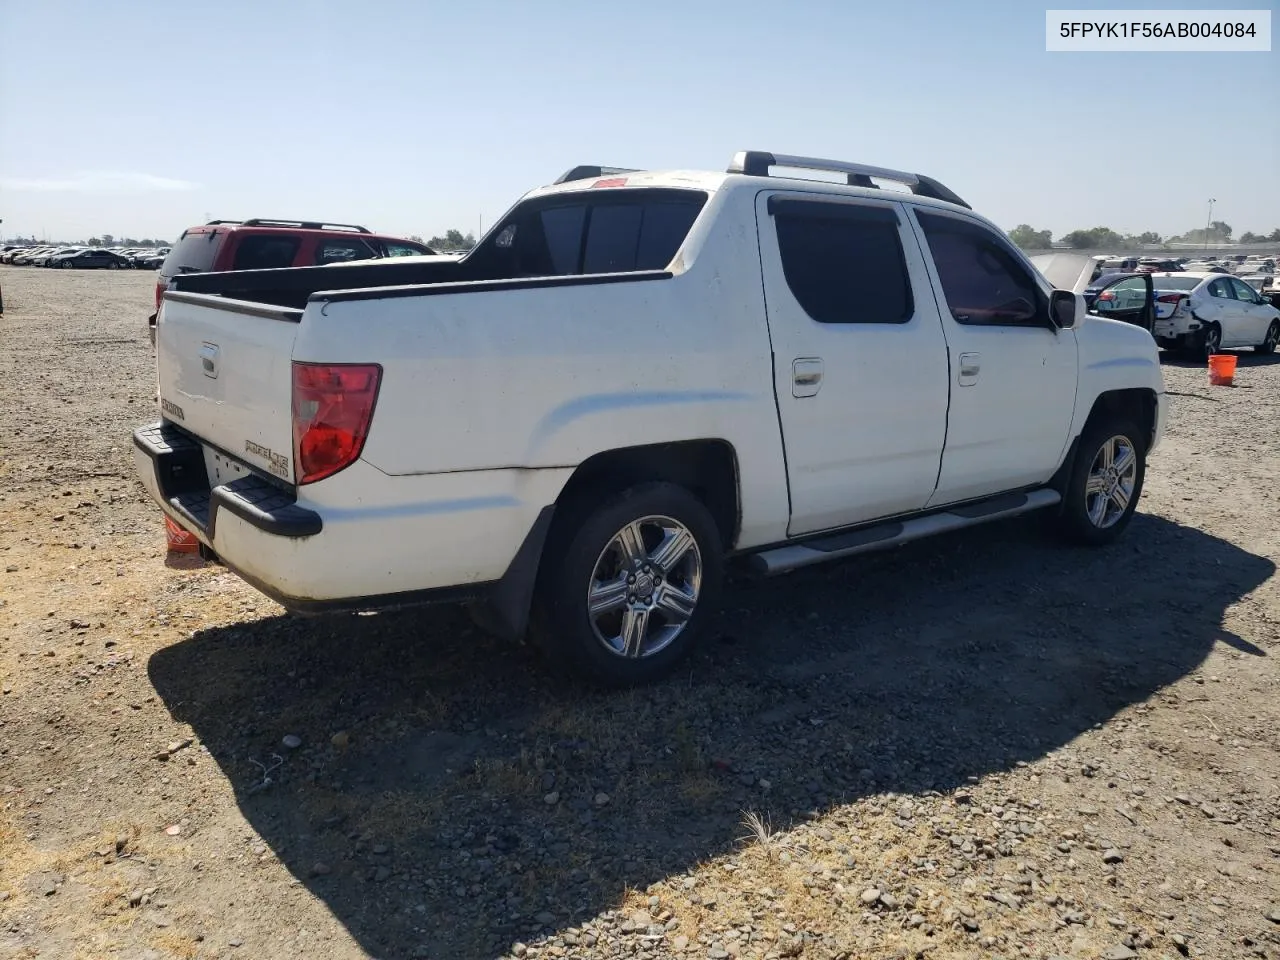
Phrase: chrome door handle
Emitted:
{"points": [[970, 367], [806, 376]]}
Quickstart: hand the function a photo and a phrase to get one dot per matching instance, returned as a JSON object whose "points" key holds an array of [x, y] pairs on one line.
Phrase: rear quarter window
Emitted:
{"points": [[265, 251]]}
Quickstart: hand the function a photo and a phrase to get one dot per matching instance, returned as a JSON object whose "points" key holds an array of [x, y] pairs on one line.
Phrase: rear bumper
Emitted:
{"points": [[403, 540]]}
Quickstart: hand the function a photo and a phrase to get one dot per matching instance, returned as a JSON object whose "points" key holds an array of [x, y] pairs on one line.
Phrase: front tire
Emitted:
{"points": [[627, 583], [1273, 337], [1105, 483]]}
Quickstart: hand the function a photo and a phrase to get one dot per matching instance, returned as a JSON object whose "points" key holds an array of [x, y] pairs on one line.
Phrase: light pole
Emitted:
{"points": [[1206, 224]]}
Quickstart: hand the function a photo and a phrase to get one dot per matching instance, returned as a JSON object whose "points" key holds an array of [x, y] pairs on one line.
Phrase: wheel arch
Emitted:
{"points": [[708, 468], [1137, 403]]}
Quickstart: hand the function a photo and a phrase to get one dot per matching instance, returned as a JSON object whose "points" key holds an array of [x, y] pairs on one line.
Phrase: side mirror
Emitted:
{"points": [[1065, 309]]}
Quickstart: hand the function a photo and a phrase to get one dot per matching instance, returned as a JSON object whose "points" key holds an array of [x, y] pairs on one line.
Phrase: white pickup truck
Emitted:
{"points": [[633, 379]]}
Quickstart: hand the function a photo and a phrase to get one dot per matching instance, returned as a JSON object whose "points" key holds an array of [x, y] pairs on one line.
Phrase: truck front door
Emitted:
{"points": [[860, 363], [1013, 374]]}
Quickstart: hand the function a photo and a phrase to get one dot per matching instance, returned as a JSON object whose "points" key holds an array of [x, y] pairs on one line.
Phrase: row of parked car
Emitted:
{"points": [[1188, 306], [85, 258]]}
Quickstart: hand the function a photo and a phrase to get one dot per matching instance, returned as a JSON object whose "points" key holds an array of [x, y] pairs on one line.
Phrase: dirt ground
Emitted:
{"points": [[986, 745]]}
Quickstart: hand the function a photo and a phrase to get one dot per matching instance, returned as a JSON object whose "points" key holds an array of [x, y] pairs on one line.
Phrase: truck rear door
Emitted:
{"points": [[860, 363], [224, 369]]}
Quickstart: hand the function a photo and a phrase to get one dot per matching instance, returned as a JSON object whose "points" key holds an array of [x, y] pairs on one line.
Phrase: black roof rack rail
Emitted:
{"points": [[215, 223], [587, 172], [756, 163], [302, 224]]}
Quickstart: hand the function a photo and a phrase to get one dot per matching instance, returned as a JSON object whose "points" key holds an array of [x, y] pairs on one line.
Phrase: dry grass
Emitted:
{"points": [[176, 944]]}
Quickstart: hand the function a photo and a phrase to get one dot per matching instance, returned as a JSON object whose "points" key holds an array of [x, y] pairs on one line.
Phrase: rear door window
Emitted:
{"points": [[265, 252], [844, 263]]}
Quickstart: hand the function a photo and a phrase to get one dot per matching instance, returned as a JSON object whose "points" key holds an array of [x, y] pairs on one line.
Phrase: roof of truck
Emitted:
{"points": [[754, 167]]}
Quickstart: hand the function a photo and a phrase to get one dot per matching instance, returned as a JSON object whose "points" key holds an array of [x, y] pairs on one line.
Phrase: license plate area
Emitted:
{"points": [[221, 469]]}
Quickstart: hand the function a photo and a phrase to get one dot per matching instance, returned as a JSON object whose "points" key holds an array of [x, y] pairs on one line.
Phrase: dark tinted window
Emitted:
{"points": [[265, 251], [613, 238], [982, 280], [622, 232], [562, 228], [842, 267], [1221, 288], [342, 249], [194, 253]]}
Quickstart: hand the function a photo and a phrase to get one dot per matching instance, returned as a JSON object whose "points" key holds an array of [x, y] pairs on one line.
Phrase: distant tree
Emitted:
{"points": [[1094, 238], [415, 238], [1218, 232], [106, 239], [96, 242], [1148, 237], [1028, 238], [453, 241], [1275, 235]]}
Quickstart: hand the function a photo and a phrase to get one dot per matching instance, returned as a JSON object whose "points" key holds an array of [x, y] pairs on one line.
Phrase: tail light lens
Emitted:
{"points": [[160, 288], [1106, 295], [1169, 297], [332, 409]]}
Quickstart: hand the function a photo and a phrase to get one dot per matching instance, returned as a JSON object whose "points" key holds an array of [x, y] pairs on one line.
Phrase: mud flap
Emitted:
{"points": [[504, 611]]}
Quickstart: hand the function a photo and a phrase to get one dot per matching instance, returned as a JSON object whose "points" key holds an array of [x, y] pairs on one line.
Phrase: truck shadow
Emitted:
{"points": [[450, 797]]}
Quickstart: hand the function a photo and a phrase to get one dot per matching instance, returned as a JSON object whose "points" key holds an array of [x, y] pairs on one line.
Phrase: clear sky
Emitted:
{"points": [[140, 118]]}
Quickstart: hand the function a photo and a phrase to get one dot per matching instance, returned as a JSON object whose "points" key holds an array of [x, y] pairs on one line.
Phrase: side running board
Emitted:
{"points": [[894, 533]]}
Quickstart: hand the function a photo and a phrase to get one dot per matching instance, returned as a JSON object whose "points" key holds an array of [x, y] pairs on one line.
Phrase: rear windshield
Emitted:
{"points": [[1176, 283], [616, 232], [194, 253]]}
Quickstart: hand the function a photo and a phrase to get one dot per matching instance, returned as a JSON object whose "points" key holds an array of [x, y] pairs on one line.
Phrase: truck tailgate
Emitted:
{"points": [[224, 372]]}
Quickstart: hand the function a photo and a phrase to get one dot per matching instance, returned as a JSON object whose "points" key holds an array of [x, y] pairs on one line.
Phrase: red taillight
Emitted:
{"points": [[1106, 295], [1169, 297], [332, 408], [160, 287]]}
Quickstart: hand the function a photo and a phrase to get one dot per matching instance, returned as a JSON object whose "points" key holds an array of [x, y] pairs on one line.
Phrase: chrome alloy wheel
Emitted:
{"points": [[1112, 479], [644, 587]]}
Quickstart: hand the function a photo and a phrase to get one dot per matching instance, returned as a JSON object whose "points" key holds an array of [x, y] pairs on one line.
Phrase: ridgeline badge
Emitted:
{"points": [[276, 463]]}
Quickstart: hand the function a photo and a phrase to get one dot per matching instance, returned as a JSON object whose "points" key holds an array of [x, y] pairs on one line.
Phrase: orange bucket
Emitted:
{"points": [[179, 540], [1222, 369]]}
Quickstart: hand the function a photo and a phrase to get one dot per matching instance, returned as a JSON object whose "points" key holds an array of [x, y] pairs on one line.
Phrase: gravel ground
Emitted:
{"points": [[984, 745]]}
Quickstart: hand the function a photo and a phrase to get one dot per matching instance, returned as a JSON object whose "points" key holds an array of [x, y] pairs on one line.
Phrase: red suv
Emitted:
{"points": [[262, 244]]}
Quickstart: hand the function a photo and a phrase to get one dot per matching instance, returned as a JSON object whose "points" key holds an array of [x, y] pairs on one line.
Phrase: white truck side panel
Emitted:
{"points": [[534, 378]]}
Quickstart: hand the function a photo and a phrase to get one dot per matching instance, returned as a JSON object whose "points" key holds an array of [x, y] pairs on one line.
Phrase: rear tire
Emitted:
{"points": [[651, 560], [1211, 341], [1273, 337], [1105, 483], [67, 264]]}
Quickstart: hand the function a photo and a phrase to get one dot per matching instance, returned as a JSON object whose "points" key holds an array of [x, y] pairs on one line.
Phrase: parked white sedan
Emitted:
{"points": [[1211, 312]]}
